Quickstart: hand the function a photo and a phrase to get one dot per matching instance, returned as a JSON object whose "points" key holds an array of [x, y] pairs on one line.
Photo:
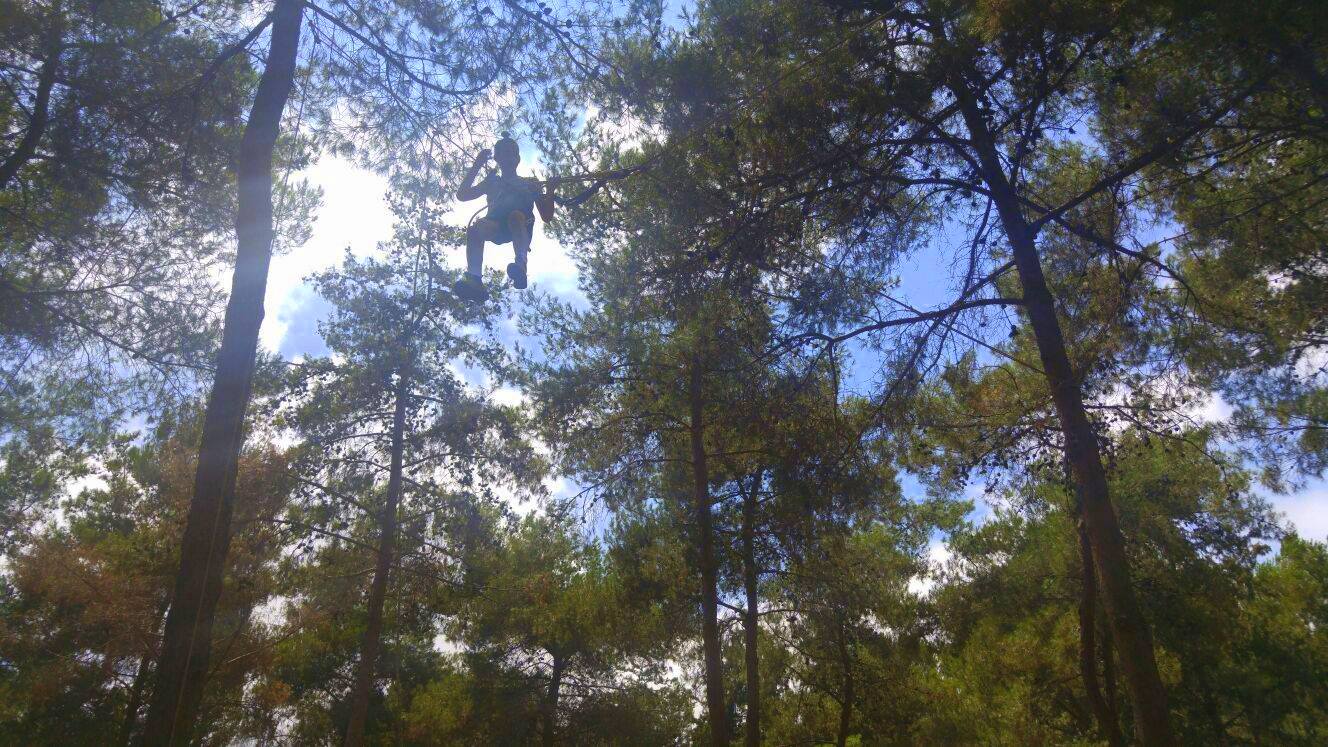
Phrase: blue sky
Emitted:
{"points": [[354, 215]]}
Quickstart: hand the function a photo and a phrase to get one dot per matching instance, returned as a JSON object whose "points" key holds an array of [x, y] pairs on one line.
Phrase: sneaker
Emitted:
{"points": [[517, 272], [471, 289]]}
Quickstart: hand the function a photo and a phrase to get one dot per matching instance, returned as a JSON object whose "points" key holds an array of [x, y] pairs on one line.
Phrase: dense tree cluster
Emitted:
{"points": [[885, 412]]}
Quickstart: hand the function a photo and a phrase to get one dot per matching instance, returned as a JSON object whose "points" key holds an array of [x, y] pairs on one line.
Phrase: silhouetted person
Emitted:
{"points": [[510, 216]]}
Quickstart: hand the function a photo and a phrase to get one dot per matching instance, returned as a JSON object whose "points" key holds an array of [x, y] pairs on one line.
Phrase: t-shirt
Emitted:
{"points": [[508, 193]]}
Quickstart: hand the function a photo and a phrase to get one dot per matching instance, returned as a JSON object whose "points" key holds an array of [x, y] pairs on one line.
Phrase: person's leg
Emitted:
{"points": [[480, 231], [471, 284], [519, 225]]}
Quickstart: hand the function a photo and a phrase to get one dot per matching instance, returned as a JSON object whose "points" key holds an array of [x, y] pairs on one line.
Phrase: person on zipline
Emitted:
{"points": [[510, 215]]}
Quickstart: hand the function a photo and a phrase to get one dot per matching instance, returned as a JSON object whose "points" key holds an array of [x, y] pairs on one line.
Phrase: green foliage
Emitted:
{"points": [[757, 415], [95, 584], [118, 214]]}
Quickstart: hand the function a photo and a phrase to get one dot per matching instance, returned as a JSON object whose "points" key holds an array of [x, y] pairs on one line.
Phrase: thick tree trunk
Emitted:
{"points": [[714, 662], [183, 666], [1082, 451], [845, 717], [1106, 719], [549, 727], [41, 108], [751, 618], [371, 643]]}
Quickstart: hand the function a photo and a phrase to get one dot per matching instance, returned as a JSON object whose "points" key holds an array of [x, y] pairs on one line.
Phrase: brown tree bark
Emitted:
{"points": [[183, 665], [751, 616], [1106, 718], [371, 642], [548, 729], [714, 661], [1082, 451], [1128, 625]]}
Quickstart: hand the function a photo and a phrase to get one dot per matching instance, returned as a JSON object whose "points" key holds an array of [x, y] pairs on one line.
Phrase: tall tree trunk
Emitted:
{"points": [[41, 105], [1128, 625], [183, 666], [846, 691], [1082, 451], [714, 662], [135, 701], [139, 687], [1109, 671], [371, 643], [549, 727], [1106, 719], [751, 616]]}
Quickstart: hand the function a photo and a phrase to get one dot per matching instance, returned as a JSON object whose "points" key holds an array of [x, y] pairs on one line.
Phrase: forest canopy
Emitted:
{"points": [[866, 372]]}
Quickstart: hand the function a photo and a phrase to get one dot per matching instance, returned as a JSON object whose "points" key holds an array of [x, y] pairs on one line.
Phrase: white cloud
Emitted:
{"points": [[1203, 408], [552, 266], [94, 480], [1307, 510], [446, 646], [1314, 363], [509, 396], [355, 214], [1210, 408], [938, 554]]}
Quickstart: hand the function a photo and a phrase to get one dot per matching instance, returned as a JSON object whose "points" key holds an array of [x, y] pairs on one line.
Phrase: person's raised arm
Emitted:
{"points": [[467, 190]]}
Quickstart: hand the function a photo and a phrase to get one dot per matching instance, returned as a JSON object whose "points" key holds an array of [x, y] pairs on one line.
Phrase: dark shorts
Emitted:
{"points": [[504, 233]]}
